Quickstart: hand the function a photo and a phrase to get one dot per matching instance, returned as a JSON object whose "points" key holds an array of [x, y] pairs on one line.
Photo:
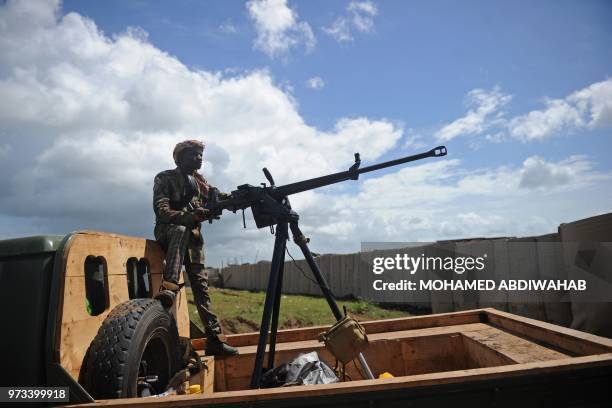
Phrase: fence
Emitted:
{"points": [[350, 275]]}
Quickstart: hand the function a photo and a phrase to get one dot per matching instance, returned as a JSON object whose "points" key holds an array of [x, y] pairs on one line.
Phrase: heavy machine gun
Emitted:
{"points": [[270, 206], [269, 203]]}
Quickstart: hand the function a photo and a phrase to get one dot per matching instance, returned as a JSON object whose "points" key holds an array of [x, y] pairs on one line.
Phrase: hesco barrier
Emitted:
{"points": [[349, 275]]}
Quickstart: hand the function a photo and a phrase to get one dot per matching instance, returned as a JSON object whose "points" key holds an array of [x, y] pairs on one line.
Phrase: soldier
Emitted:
{"points": [[178, 196]]}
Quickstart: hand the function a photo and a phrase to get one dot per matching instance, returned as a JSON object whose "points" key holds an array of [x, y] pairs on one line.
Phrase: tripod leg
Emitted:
{"points": [[276, 310], [301, 241], [280, 244]]}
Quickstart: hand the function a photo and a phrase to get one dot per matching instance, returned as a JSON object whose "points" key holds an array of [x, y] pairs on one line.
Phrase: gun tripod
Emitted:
{"points": [[270, 207], [273, 294]]}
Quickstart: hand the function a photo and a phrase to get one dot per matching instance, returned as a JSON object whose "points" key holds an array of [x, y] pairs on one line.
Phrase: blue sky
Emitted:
{"points": [[95, 94], [415, 65]]}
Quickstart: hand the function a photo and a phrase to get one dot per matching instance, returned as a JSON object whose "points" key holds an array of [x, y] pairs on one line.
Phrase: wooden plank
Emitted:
{"points": [[569, 340], [430, 354], [478, 355], [516, 349], [117, 248], [449, 377], [219, 379], [78, 328], [207, 375], [375, 326], [315, 344]]}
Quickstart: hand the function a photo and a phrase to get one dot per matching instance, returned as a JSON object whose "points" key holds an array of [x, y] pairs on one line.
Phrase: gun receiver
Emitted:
{"points": [[270, 203]]}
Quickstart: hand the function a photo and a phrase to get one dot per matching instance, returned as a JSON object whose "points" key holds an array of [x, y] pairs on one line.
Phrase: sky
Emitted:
{"points": [[94, 96]]}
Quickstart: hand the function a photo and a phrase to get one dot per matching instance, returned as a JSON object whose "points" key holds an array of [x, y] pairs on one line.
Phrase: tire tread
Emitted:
{"points": [[108, 355]]}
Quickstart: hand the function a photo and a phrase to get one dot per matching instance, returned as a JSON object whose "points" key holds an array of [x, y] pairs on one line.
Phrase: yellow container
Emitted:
{"points": [[194, 389], [385, 375]]}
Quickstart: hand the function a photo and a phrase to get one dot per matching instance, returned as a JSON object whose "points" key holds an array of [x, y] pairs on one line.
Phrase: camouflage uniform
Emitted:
{"points": [[178, 232]]}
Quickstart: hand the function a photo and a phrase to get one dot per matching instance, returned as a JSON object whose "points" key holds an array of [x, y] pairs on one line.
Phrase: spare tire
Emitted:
{"points": [[135, 352]]}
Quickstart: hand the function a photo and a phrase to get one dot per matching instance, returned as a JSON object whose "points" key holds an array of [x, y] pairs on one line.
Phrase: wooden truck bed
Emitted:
{"points": [[478, 358]]}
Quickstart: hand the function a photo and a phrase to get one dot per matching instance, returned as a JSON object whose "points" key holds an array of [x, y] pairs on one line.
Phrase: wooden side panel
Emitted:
{"points": [[209, 376], [371, 327], [527, 384], [78, 328], [567, 340], [514, 348], [409, 352], [430, 354], [400, 353], [479, 355], [206, 377]]}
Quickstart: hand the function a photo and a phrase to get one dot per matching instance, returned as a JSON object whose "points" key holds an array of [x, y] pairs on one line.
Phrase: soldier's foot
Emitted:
{"points": [[216, 347], [166, 297]]}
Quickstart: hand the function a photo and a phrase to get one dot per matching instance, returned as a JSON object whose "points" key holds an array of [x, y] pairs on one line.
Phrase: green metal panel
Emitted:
{"points": [[25, 283], [26, 270], [30, 245]]}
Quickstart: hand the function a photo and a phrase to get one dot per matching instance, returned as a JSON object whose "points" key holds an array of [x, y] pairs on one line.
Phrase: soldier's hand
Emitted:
{"points": [[201, 214]]}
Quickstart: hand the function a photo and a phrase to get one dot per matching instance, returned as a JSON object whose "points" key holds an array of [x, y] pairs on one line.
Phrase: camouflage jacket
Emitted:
{"points": [[170, 199]]}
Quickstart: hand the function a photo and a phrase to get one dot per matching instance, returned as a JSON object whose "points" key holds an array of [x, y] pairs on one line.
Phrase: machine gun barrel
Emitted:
{"points": [[266, 201], [351, 174]]}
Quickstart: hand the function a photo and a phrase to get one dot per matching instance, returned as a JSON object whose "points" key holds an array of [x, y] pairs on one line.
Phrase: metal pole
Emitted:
{"points": [[277, 300], [278, 255]]}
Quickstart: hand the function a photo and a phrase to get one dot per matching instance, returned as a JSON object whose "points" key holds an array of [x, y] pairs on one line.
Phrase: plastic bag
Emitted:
{"points": [[304, 369]]}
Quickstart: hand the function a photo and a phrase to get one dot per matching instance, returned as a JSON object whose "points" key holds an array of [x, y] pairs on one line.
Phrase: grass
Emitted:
{"points": [[240, 311]]}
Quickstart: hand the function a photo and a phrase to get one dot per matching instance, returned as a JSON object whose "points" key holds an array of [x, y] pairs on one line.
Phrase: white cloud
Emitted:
{"points": [[484, 113], [440, 199], [278, 28], [92, 119], [589, 108], [540, 124], [315, 83], [574, 171], [362, 15], [359, 16]]}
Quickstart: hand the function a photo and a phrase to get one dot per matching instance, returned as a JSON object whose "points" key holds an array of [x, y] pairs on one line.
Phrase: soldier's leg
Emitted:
{"points": [[199, 286], [175, 238]]}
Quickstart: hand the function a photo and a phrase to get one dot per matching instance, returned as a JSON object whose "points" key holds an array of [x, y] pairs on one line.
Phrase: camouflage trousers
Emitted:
{"points": [[183, 247]]}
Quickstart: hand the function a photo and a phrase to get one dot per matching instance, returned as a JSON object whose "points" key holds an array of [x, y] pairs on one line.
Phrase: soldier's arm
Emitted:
{"points": [[161, 205]]}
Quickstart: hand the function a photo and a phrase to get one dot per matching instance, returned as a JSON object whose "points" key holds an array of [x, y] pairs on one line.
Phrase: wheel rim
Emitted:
{"points": [[154, 363]]}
